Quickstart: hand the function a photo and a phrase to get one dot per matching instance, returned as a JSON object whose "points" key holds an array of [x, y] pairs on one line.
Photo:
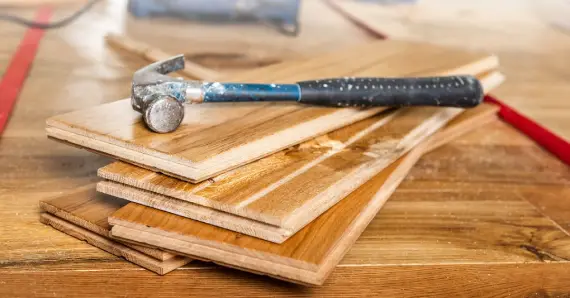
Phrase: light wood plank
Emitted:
{"points": [[533, 279], [302, 258], [495, 162], [88, 209], [318, 183], [268, 210], [217, 137], [524, 34], [113, 247], [257, 199]]}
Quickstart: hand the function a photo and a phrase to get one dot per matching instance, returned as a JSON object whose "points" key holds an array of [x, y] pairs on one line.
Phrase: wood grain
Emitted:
{"points": [[496, 163], [129, 252], [523, 34], [533, 279], [214, 138], [266, 209], [89, 210], [257, 199], [301, 258]]}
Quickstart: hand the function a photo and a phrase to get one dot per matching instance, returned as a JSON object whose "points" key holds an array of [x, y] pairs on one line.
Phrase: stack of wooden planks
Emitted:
{"points": [[277, 189]]}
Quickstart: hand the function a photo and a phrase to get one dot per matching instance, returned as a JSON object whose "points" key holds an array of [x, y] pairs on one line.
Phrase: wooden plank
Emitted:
{"points": [[214, 138], [257, 199], [533, 279], [114, 247], [88, 209], [517, 32], [266, 208], [14, 77], [511, 27], [494, 163], [491, 155], [552, 204], [302, 258]]}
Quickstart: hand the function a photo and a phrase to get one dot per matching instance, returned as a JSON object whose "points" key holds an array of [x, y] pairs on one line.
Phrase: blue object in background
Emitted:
{"points": [[282, 14]]}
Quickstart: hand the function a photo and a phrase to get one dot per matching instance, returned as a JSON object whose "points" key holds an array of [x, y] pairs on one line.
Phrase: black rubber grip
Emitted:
{"points": [[450, 91]]}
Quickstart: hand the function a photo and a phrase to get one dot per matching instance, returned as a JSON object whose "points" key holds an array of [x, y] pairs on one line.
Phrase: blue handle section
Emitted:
{"points": [[232, 92]]}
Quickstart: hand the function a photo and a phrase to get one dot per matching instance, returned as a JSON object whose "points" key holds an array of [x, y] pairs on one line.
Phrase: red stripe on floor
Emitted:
{"points": [[15, 75], [551, 142], [544, 137]]}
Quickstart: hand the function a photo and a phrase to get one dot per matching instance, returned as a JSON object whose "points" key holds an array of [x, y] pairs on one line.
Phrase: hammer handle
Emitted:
{"points": [[450, 91]]}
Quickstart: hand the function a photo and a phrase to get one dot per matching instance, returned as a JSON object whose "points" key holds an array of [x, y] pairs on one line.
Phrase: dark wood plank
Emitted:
{"points": [[468, 280]]}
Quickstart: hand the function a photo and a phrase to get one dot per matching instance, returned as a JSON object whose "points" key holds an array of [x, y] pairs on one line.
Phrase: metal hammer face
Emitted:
{"points": [[158, 97]]}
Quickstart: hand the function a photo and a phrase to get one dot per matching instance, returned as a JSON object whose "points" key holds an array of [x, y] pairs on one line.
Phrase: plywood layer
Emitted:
{"points": [[276, 196], [214, 138], [304, 182], [524, 35], [114, 247], [308, 256], [83, 212], [89, 210]]}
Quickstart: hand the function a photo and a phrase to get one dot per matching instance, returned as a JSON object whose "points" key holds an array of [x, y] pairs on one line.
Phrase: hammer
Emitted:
{"points": [[160, 98]]}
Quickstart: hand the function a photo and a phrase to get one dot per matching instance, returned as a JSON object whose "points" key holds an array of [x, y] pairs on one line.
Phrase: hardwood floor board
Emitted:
{"points": [[89, 210], [289, 204], [306, 257], [130, 252], [246, 132], [297, 190]]}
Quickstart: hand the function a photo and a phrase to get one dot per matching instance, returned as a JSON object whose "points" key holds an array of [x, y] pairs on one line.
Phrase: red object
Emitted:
{"points": [[543, 136], [551, 142], [15, 75]]}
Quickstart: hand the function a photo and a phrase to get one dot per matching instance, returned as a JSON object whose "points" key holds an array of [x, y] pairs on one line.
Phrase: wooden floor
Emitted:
{"points": [[524, 34], [520, 188]]}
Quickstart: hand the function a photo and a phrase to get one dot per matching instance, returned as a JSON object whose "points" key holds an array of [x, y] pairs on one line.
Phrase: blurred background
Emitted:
{"points": [[531, 38], [233, 34]]}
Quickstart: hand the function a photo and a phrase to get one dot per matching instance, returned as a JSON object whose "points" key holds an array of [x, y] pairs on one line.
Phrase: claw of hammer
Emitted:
{"points": [[160, 97]]}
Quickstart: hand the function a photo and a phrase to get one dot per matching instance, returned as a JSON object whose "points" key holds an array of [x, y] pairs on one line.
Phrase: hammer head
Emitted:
{"points": [[160, 97]]}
